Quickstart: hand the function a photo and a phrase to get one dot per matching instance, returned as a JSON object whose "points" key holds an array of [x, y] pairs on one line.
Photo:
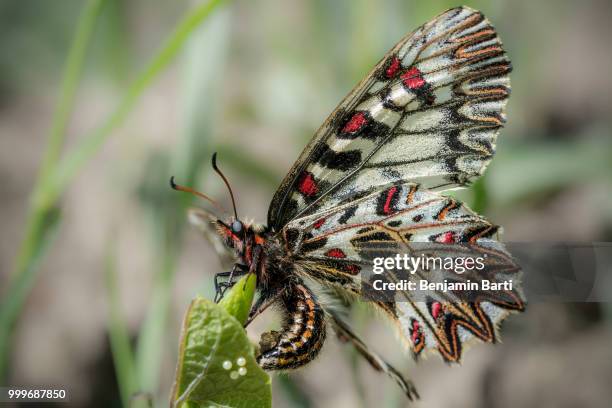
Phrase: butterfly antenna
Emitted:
{"points": [[214, 164], [190, 190]]}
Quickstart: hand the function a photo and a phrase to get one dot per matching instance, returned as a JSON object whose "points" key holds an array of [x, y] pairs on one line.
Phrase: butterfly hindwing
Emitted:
{"points": [[338, 247], [429, 112]]}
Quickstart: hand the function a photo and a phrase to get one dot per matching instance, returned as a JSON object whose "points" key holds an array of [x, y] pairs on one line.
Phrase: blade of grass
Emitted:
{"points": [[114, 55], [41, 217], [152, 335], [121, 350], [89, 145], [54, 175], [21, 287], [203, 68], [71, 76]]}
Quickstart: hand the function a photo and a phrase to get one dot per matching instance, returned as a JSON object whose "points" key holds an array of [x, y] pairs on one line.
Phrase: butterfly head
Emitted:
{"points": [[234, 233], [230, 233], [241, 236]]}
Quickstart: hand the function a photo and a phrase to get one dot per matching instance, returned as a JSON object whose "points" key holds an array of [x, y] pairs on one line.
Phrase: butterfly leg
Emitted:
{"points": [[346, 334], [221, 287], [302, 334], [260, 305]]}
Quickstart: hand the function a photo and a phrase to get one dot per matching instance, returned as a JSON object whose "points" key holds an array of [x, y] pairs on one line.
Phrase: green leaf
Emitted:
{"points": [[210, 338], [238, 301]]}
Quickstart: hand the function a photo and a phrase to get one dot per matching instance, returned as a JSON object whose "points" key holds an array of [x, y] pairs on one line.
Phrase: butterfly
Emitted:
{"points": [[423, 121]]}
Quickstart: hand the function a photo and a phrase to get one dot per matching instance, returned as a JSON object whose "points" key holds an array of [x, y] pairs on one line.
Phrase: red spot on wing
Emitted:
{"points": [[352, 269], [413, 78], [387, 207], [307, 184], [394, 66], [356, 122], [446, 238], [335, 253], [416, 332], [319, 223], [436, 307]]}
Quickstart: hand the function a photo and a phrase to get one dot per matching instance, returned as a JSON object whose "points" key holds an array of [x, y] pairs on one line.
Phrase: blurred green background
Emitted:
{"points": [[102, 100]]}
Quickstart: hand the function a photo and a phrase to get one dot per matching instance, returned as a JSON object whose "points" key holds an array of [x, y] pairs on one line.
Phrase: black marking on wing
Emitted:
{"points": [[313, 245], [348, 213], [376, 236], [337, 160]]}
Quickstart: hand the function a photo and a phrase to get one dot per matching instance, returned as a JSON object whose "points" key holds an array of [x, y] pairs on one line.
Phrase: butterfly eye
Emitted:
{"points": [[236, 227]]}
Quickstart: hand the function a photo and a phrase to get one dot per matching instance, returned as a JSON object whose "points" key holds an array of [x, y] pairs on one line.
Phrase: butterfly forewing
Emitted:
{"points": [[429, 112]]}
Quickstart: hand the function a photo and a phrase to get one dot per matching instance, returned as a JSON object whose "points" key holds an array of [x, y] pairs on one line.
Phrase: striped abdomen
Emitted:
{"points": [[302, 334]]}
